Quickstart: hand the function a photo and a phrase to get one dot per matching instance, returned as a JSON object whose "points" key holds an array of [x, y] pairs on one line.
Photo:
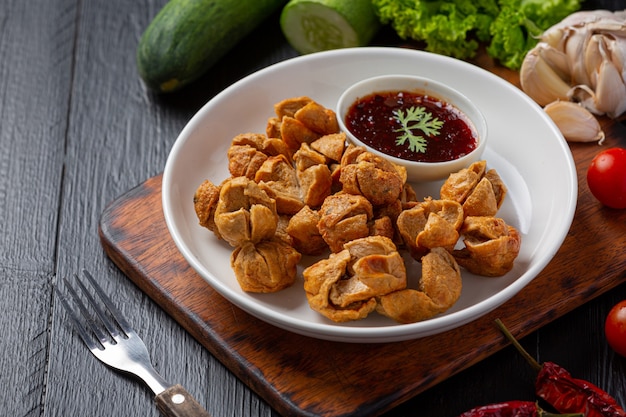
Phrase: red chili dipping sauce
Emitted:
{"points": [[373, 121]]}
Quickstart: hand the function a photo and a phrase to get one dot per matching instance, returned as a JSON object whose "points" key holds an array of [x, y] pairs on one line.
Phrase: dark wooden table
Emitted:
{"points": [[77, 130]]}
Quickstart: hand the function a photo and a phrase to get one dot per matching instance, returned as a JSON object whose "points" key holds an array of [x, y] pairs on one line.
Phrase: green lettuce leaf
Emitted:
{"points": [[446, 27], [509, 28], [519, 24]]}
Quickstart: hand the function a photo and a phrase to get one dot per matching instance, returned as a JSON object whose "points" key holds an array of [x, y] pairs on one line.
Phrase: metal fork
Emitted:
{"points": [[112, 340]]}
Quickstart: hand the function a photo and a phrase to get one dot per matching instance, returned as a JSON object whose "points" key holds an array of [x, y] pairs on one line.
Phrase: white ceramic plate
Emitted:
{"points": [[525, 147]]}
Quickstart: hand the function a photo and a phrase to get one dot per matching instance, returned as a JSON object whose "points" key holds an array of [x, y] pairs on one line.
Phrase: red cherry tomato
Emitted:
{"points": [[606, 177], [615, 328]]}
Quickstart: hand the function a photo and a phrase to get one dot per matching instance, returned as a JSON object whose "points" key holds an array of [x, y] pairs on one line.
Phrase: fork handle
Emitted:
{"points": [[175, 401]]}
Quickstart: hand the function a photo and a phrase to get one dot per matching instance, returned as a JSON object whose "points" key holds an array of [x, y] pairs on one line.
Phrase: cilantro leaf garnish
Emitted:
{"points": [[416, 118]]}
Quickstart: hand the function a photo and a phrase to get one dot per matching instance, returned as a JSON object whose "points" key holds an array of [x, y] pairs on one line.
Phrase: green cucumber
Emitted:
{"points": [[187, 37], [319, 25]]}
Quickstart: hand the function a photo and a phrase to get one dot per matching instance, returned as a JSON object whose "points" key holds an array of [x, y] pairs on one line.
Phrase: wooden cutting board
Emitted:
{"points": [[302, 376]]}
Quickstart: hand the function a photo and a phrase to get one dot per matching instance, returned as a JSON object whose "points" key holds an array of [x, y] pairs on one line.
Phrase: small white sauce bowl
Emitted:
{"points": [[417, 171]]}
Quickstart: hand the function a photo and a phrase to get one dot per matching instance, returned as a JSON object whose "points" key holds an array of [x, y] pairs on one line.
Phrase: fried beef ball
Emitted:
{"points": [[245, 212], [305, 235], [430, 224], [301, 120], [317, 118], [344, 286], [371, 176], [439, 288], [331, 146], [266, 266], [491, 246], [248, 151], [205, 202], [277, 177], [481, 192], [344, 217], [313, 175]]}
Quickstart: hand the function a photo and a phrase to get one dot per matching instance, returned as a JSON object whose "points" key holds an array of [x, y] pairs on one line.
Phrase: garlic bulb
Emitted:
{"points": [[575, 122], [580, 59]]}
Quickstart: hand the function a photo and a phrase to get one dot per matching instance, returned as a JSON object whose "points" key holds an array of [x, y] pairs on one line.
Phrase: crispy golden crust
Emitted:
{"points": [[439, 288], [491, 246], [245, 212], [383, 226], [315, 184], [481, 201], [277, 177], [244, 161], [272, 128], [289, 106], [459, 184], [345, 285], [344, 217], [331, 146], [205, 202], [305, 235], [430, 224], [248, 152], [318, 118], [293, 132], [481, 192], [373, 177], [314, 176], [267, 266], [499, 188]]}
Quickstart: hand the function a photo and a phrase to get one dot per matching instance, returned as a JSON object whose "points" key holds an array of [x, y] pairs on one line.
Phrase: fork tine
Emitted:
{"points": [[110, 327], [117, 315], [86, 314], [80, 328]]}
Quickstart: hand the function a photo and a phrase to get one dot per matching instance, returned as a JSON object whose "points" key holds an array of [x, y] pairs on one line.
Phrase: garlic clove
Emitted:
{"points": [[558, 61], [616, 47], [554, 37], [540, 80], [574, 50], [592, 59], [575, 122], [610, 89], [586, 97]]}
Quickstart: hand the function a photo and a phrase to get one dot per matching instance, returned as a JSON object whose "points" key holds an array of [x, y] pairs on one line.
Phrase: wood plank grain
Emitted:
{"points": [[326, 378], [34, 97], [113, 137]]}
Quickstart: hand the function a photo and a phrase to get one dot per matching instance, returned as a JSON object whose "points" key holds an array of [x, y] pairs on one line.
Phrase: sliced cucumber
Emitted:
{"points": [[319, 25]]}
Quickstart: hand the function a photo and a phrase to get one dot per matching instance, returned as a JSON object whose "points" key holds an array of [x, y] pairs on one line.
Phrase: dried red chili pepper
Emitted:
{"points": [[513, 409], [566, 394]]}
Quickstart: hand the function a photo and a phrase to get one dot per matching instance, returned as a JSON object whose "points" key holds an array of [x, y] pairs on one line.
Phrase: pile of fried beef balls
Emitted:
{"points": [[301, 189]]}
